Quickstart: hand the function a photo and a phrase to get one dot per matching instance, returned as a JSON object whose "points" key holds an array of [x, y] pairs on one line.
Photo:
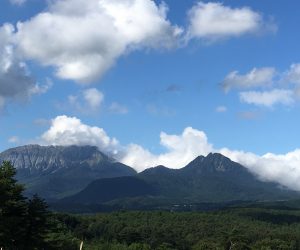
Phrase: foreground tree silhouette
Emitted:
{"points": [[37, 223], [13, 209], [23, 224]]}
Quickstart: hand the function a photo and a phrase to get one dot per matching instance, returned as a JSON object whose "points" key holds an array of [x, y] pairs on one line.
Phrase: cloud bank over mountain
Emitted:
{"points": [[179, 150]]}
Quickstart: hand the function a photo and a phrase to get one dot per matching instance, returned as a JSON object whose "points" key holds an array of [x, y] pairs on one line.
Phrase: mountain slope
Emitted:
{"points": [[110, 189], [214, 178], [57, 171]]}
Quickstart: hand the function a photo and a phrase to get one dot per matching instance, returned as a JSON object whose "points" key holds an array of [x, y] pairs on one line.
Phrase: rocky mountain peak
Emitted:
{"points": [[213, 162]]}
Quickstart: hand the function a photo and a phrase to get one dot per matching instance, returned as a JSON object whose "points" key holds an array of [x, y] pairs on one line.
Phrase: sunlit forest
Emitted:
{"points": [[29, 224]]}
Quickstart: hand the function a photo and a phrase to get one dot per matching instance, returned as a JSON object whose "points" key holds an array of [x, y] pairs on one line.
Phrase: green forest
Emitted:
{"points": [[29, 224]]}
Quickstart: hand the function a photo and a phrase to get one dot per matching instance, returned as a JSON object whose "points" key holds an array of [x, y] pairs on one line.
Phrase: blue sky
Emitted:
{"points": [[164, 75]]}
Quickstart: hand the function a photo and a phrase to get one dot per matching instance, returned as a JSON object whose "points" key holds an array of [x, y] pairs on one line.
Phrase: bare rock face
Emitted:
{"points": [[53, 171]]}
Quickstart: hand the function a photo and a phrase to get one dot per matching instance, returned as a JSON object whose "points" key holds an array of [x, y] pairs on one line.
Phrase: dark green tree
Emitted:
{"points": [[13, 209], [37, 223]]}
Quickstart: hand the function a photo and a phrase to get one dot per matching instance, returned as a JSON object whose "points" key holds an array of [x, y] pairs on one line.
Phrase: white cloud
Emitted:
{"points": [[16, 83], [284, 87], [180, 150], [14, 139], [257, 77], [221, 109], [85, 38], [93, 97], [213, 21], [87, 101], [66, 130], [293, 74], [268, 98], [117, 108], [18, 2], [283, 169]]}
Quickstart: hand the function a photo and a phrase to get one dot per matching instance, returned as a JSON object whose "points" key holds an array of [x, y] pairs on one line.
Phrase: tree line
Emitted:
{"points": [[27, 224]]}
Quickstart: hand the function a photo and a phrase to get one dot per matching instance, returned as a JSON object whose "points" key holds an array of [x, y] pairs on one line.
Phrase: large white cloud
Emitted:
{"points": [[66, 131], [180, 150], [257, 77], [214, 20], [84, 38], [16, 83]]}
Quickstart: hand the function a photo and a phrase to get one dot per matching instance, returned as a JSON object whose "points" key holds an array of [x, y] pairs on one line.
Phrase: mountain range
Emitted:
{"points": [[56, 171], [82, 175]]}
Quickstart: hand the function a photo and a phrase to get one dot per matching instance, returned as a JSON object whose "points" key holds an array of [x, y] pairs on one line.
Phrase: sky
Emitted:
{"points": [[152, 82]]}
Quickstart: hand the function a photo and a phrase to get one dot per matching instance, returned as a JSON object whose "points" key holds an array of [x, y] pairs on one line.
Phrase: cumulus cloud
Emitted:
{"points": [[257, 77], [213, 20], [16, 83], [268, 98], [85, 38], [66, 131], [179, 151]]}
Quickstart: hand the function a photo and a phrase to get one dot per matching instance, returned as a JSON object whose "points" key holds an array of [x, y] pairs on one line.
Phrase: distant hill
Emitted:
{"points": [[57, 171], [103, 190], [211, 179]]}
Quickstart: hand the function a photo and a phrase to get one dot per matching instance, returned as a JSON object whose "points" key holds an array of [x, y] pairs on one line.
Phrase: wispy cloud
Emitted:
{"points": [[14, 139], [221, 109], [117, 108], [257, 77], [163, 111], [18, 2], [87, 101], [268, 98], [266, 86]]}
